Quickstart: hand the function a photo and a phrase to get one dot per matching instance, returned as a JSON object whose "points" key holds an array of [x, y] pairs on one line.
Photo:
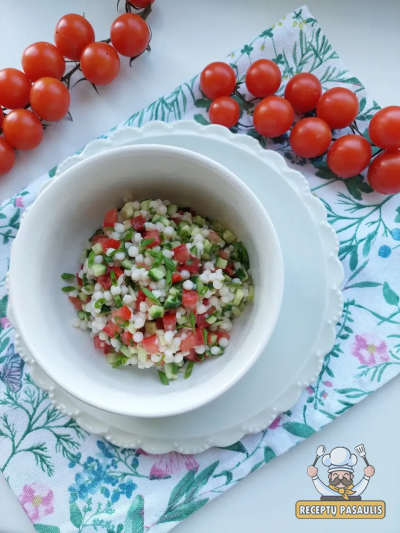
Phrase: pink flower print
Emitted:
{"points": [[324, 395], [19, 202], [37, 501], [275, 423], [310, 390], [169, 464], [5, 323], [370, 349], [328, 384]]}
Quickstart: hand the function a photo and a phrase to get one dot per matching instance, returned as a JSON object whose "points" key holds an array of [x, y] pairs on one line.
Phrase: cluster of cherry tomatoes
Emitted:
{"points": [[311, 136], [42, 86]]}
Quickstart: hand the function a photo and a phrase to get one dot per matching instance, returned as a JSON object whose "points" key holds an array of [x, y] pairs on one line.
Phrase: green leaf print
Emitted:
{"points": [[75, 515], [200, 480], [268, 454], [228, 474], [237, 447], [363, 285], [41, 528], [390, 296], [134, 522], [354, 259], [356, 186], [201, 120], [298, 429], [52, 172], [182, 511], [397, 219], [203, 102], [181, 488]]}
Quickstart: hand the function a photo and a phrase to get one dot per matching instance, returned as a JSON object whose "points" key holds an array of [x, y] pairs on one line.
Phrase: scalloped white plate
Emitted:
{"points": [[305, 332]]}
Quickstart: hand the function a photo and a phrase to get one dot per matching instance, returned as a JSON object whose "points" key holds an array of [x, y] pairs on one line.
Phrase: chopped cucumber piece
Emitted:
{"points": [[150, 327], [211, 319], [169, 371], [236, 312], [175, 244], [110, 357], [127, 211], [142, 355], [156, 218], [207, 246], [251, 293], [195, 231], [213, 339], [172, 302], [82, 296], [205, 256], [199, 220], [217, 225], [156, 311], [165, 221], [156, 274], [221, 263], [227, 278], [182, 320], [136, 213], [228, 236], [238, 297], [184, 232], [127, 264], [99, 269], [145, 205], [131, 328], [172, 209], [125, 350], [174, 291], [82, 315], [97, 248]]}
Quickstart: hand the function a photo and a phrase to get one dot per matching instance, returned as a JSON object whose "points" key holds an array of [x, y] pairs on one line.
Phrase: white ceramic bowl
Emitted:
{"points": [[57, 227]]}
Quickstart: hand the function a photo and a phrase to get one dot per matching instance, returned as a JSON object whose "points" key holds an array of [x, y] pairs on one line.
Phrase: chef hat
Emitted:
{"points": [[340, 459]]}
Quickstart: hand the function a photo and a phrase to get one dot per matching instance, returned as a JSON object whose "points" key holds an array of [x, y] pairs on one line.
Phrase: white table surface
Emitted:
{"points": [[188, 34]]}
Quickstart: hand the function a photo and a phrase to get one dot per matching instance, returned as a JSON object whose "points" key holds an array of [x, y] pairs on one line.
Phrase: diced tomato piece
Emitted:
{"points": [[79, 280], [98, 343], [127, 338], [199, 337], [138, 223], [110, 218], [124, 313], [181, 253], [176, 219], [111, 243], [206, 301], [108, 349], [141, 297], [189, 299], [117, 271], [223, 254], [76, 302], [192, 356], [201, 321], [188, 343], [111, 329], [155, 235], [213, 237], [192, 265], [159, 323], [223, 335], [169, 321], [105, 281], [230, 270], [151, 344], [176, 278], [99, 238]]}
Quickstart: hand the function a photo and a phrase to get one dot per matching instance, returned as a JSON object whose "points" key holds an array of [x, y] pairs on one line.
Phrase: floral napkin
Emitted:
{"points": [[69, 481]]}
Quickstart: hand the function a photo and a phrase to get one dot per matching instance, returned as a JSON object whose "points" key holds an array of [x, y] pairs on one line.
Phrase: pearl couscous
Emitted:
{"points": [[159, 286]]}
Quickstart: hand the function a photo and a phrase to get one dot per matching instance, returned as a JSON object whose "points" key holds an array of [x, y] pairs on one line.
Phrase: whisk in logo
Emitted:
{"points": [[342, 496]]}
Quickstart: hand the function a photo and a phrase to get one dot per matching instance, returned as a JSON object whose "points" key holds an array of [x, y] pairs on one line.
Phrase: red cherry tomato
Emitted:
{"points": [[263, 78], [15, 88], [338, 107], [384, 128], [273, 116], [73, 33], [42, 60], [224, 111], [141, 3], [310, 137], [217, 79], [130, 35], [384, 173], [138, 223], [7, 157], [22, 129], [349, 155], [100, 63], [50, 99], [1, 117], [303, 91]]}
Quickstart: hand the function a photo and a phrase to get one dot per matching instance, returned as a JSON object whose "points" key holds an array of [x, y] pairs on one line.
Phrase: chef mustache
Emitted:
{"points": [[338, 480]]}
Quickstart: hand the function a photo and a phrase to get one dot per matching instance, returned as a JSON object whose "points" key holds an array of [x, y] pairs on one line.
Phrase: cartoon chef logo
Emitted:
{"points": [[340, 463]]}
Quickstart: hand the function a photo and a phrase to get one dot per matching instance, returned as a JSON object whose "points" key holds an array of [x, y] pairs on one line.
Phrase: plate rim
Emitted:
{"points": [[66, 404]]}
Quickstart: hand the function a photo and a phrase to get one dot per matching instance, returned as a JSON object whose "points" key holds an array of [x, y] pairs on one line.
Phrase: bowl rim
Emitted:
{"points": [[192, 401]]}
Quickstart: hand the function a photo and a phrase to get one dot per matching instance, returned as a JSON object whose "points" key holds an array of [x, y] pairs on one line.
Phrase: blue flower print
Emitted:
{"points": [[384, 251]]}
